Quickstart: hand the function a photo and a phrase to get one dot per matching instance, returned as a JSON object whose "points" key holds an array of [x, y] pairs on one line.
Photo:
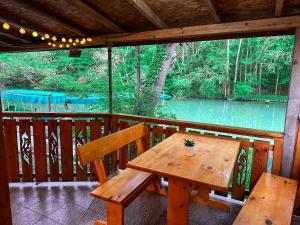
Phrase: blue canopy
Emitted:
{"points": [[42, 97]]}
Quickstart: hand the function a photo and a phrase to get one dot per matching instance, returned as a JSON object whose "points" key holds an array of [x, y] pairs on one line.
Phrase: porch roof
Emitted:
{"points": [[143, 22]]}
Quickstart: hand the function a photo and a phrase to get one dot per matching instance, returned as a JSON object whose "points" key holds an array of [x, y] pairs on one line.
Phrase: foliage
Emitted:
{"points": [[189, 143]]}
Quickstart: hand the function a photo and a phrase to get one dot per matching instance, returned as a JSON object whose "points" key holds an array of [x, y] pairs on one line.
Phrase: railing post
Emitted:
{"points": [[293, 106], [5, 210], [109, 57]]}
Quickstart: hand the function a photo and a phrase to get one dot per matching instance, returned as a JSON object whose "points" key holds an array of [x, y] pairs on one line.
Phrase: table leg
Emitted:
{"points": [[203, 198], [178, 202]]}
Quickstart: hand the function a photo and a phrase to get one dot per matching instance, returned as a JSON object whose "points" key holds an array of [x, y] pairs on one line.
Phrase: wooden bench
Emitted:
{"points": [[120, 190], [270, 202]]}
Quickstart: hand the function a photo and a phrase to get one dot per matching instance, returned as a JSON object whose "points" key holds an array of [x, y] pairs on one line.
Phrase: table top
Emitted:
{"points": [[212, 164]]}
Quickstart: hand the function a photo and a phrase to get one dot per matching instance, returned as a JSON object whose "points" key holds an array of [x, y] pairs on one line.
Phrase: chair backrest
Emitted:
{"points": [[94, 150]]}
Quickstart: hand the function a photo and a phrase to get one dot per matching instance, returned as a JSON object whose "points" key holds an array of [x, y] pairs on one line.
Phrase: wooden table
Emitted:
{"points": [[209, 168]]}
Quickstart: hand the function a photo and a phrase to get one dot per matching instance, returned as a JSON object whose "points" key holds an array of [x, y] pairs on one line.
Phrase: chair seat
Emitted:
{"points": [[270, 202], [123, 187]]}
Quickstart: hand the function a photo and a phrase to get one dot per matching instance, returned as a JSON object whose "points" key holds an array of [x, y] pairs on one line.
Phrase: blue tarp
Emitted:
{"points": [[42, 97]]}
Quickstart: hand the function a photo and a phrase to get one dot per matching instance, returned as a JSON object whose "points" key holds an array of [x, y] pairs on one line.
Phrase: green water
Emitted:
{"points": [[258, 115]]}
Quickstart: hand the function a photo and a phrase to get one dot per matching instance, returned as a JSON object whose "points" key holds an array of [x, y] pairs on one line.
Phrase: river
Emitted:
{"points": [[258, 115]]}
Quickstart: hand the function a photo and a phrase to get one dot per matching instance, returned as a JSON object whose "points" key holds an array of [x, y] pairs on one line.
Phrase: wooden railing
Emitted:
{"points": [[41, 146]]}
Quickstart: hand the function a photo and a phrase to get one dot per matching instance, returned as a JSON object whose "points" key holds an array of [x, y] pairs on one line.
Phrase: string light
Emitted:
{"points": [[49, 43], [60, 46], [43, 38], [70, 40], [47, 36], [53, 45], [54, 38], [74, 43], [63, 39], [6, 26], [77, 40], [35, 34], [22, 30], [89, 39], [67, 46]]}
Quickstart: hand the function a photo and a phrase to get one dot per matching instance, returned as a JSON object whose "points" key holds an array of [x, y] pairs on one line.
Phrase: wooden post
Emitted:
{"points": [[293, 106], [49, 103], [109, 77], [5, 211]]}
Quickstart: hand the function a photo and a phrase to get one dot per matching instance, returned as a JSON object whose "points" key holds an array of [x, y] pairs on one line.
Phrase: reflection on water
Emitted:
{"points": [[258, 115]]}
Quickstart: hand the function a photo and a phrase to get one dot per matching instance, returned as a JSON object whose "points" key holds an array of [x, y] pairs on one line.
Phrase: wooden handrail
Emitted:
{"points": [[204, 126]]}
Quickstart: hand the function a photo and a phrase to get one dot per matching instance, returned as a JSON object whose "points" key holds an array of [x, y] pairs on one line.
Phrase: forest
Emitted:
{"points": [[235, 69]]}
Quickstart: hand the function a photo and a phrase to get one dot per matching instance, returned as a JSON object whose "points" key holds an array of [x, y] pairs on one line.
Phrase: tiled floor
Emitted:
{"points": [[70, 203]]}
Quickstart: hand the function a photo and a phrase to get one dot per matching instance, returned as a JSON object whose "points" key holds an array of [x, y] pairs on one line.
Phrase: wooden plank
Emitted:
{"points": [[264, 27], [91, 151], [211, 165], [123, 152], [40, 157], [115, 214], [80, 139], [114, 154], [106, 157], [270, 202], [145, 10], [169, 131], [95, 133], [178, 202], [296, 162], [259, 160], [11, 147], [53, 150], [292, 113], [26, 150], [213, 11], [123, 187], [240, 171], [5, 212], [278, 7], [157, 134], [277, 156], [66, 150]]}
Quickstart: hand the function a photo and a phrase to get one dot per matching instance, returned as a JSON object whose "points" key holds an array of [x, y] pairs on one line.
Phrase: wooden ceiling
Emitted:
{"points": [[106, 19]]}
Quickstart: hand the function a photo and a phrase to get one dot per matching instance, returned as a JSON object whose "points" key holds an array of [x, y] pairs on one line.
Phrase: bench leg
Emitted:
{"points": [[115, 214], [202, 197]]}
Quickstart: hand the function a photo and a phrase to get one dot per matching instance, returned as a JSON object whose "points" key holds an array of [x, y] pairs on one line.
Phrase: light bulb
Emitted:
{"points": [[22, 30], [63, 39], [60, 46], [43, 38], [53, 45], [77, 40], [54, 38], [67, 45], [46, 36], [70, 40], [49, 43], [35, 34], [6, 26], [89, 39], [74, 43], [83, 40]]}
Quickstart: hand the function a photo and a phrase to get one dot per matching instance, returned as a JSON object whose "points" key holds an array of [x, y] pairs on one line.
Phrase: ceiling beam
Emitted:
{"points": [[102, 19], [13, 39], [278, 7], [34, 14], [144, 9], [263, 27], [213, 11]]}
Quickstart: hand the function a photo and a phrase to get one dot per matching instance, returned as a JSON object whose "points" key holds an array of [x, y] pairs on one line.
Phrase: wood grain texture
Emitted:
{"points": [[26, 150], [80, 139], [296, 162], [270, 202], [95, 133], [53, 150], [121, 188], [39, 140], [212, 164], [178, 202], [66, 150], [11, 148], [123, 152], [91, 151]]}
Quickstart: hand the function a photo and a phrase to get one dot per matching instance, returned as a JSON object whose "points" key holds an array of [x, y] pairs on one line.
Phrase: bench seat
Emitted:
{"points": [[270, 202], [123, 187]]}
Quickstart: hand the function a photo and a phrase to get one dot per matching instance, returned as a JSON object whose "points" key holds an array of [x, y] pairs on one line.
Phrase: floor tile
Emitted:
{"points": [[27, 217]]}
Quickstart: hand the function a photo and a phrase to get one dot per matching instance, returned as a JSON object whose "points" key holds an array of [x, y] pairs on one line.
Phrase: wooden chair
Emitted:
{"points": [[122, 189], [270, 202]]}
